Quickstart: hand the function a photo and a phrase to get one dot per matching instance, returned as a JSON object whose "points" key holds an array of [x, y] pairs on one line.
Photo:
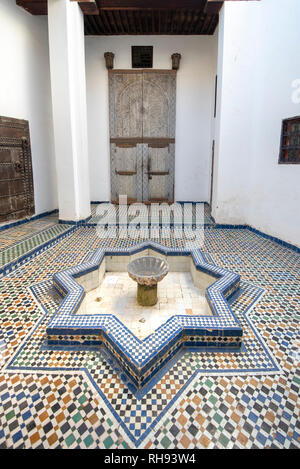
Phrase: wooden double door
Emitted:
{"points": [[16, 183], [142, 134]]}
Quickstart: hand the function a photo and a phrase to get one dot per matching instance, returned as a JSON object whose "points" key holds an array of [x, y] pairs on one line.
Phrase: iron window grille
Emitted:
{"points": [[290, 141]]}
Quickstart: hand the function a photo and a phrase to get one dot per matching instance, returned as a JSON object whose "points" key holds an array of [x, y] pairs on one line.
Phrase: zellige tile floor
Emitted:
{"points": [[77, 399]]}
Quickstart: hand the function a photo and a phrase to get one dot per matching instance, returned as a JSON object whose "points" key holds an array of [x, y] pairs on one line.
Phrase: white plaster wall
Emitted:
{"points": [[258, 61], [195, 95], [25, 92], [275, 189]]}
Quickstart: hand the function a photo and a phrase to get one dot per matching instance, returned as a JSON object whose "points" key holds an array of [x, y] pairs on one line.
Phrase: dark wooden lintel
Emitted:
{"points": [[34, 7], [150, 5], [213, 7]]}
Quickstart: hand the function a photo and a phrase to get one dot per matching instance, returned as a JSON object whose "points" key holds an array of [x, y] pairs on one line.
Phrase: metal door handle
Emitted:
{"points": [[25, 142], [148, 168], [158, 173]]}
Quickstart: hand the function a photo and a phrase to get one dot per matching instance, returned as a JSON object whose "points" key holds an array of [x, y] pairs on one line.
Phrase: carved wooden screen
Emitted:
{"points": [[16, 184], [142, 134]]}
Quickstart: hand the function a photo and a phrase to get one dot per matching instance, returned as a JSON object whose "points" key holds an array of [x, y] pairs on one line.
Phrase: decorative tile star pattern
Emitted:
{"points": [[77, 399]]}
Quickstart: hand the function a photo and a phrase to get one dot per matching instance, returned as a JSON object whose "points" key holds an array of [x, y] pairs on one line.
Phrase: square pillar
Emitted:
{"points": [[68, 88]]}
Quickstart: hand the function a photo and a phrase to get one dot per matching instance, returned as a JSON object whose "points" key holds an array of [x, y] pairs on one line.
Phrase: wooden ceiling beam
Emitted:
{"points": [[152, 22], [213, 7], [39, 7], [88, 7], [92, 7], [124, 13], [35, 7], [149, 5], [99, 21], [114, 17], [106, 22]]}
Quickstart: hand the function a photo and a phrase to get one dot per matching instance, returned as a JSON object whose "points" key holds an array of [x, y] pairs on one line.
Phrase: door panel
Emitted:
{"points": [[158, 176], [159, 90], [16, 185], [126, 171], [126, 90], [126, 129]]}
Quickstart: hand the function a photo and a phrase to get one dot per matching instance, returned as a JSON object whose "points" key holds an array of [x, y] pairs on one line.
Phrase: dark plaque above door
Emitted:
{"points": [[142, 56]]}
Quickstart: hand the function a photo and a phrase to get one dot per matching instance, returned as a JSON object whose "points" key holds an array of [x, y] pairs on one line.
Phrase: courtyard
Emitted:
{"points": [[149, 226]]}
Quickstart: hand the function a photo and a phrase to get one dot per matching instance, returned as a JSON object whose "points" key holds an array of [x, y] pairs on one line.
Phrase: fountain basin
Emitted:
{"points": [[147, 271]]}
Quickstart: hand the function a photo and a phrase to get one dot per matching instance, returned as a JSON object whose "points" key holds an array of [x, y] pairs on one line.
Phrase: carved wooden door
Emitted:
{"points": [[16, 184], [159, 90], [126, 130], [142, 134]]}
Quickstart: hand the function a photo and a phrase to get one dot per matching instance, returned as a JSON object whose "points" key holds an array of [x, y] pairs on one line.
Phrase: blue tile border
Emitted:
{"points": [[206, 225], [76, 223], [276, 240], [27, 220], [97, 202], [259, 233]]}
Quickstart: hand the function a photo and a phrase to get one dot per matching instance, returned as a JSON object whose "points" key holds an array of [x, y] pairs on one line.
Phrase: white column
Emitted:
{"points": [[68, 87]]}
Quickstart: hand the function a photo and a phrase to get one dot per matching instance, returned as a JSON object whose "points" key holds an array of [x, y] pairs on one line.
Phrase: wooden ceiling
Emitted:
{"points": [[141, 17]]}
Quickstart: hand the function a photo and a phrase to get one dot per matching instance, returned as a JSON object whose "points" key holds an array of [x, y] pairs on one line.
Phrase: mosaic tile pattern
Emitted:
{"points": [[22, 231], [74, 399], [25, 246]]}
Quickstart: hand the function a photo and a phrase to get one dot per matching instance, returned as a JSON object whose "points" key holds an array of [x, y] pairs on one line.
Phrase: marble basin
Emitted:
{"points": [[147, 271]]}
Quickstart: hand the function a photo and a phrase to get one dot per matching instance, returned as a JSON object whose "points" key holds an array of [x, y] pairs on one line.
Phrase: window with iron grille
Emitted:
{"points": [[290, 141]]}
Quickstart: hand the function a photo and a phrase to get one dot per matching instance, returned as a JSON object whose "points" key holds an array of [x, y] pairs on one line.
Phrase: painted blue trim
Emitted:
{"points": [[96, 202], [76, 223], [193, 202], [259, 233], [274, 239], [224, 226]]}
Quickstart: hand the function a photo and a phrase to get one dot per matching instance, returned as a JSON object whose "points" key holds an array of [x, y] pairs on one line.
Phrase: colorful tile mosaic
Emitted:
{"points": [[210, 399], [16, 231], [21, 251]]}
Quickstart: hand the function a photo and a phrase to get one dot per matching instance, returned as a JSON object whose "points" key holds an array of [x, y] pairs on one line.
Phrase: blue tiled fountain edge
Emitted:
{"points": [[142, 358]]}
